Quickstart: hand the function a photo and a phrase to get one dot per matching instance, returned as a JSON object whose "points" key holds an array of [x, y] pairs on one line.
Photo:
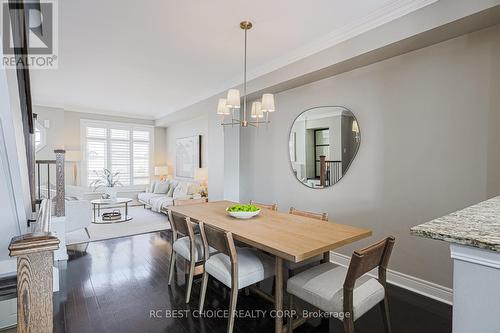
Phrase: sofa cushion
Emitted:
{"points": [[162, 187], [181, 191], [173, 186], [151, 187], [158, 202], [146, 197], [322, 286]]}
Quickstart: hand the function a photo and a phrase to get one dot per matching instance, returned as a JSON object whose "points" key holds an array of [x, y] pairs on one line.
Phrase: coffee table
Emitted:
{"points": [[98, 203]]}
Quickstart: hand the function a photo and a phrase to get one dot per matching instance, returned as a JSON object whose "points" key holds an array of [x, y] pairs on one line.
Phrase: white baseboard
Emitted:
{"points": [[414, 284]]}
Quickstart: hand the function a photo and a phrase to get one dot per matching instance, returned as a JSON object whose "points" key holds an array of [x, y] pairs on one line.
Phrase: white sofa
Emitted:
{"points": [[163, 193], [78, 215]]}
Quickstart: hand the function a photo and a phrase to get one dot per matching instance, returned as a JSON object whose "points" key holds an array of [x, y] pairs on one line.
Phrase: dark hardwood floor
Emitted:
{"points": [[116, 284]]}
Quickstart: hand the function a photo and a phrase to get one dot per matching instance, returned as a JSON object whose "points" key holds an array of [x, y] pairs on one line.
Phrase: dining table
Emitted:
{"points": [[287, 237]]}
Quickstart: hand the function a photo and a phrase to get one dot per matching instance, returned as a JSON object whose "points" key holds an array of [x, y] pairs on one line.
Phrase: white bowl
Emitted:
{"points": [[243, 215]]}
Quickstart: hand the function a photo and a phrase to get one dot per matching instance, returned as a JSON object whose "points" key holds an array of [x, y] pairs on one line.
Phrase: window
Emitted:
{"points": [[40, 136], [121, 148]]}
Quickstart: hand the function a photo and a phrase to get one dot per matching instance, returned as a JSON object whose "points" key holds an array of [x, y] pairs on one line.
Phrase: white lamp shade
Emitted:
{"points": [[161, 170], [233, 99], [222, 107], [256, 110], [268, 103]]}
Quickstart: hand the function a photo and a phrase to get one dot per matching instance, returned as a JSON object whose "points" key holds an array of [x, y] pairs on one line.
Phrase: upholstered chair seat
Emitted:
{"points": [[322, 286], [182, 247], [253, 266]]}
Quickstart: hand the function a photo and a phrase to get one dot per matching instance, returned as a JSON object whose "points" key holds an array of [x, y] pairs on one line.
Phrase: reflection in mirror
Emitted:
{"points": [[323, 143]]}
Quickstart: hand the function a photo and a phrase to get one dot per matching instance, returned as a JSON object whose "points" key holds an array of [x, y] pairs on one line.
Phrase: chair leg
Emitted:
{"points": [[87, 231], [203, 291], [289, 323], [190, 280], [348, 325], [232, 309], [172, 267], [384, 308]]}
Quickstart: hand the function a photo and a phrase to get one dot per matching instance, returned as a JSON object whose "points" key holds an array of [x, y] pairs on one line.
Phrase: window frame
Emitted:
{"points": [[84, 123]]}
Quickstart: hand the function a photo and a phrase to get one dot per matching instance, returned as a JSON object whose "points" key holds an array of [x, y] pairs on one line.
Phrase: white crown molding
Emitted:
{"points": [[100, 112], [405, 281], [392, 11], [381, 16]]}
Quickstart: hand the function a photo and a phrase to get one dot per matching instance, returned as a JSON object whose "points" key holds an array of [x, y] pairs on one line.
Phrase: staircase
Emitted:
{"points": [[27, 219]]}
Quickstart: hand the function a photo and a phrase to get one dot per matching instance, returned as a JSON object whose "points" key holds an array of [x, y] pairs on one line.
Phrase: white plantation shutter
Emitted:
{"points": [[123, 149], [120, 160], [141, 149], [96, 132], [141, 136], [96, 159]]}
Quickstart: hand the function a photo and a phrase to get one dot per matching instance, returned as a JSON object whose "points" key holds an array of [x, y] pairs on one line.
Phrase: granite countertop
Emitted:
{"points": [[477, 226]]}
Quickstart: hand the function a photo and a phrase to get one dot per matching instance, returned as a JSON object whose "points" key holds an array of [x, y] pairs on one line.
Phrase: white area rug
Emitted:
{"points": [[144, 221]]}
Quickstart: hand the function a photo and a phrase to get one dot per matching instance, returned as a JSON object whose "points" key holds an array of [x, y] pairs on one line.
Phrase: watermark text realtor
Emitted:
{"points": [[29, 34]]}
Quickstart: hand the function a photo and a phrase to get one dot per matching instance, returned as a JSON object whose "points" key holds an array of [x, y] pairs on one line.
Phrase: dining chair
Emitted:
{"points": [[235, 267], [273, 206], [188, 245], [292, 266], [319, 216], [347, 293]]}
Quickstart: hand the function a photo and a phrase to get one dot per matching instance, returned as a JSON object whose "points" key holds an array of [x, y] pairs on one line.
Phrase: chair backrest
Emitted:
{"points": [[319, 216], [219, 239], [364, 260], [180, 225], [223, 242], [273, 206], [184, 202]]}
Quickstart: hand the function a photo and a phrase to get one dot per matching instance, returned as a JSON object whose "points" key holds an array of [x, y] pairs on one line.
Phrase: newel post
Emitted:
{"points": [[35, 258], [60, 204], [322, 170]]}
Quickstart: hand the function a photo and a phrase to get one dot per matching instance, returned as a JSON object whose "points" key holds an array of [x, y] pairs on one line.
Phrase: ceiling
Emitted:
{"points": [[153, 57]]}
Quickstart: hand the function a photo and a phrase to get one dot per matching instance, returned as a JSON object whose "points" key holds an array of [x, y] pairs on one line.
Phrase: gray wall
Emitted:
{"points": [[197, 126], [428, 146]]}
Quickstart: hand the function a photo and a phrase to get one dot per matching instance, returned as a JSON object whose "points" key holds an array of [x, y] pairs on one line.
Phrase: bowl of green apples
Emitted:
{"points": [[243, 211]]}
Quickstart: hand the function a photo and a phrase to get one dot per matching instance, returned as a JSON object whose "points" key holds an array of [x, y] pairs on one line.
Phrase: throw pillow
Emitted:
{"points": [[162, 187], [181, 191], [173, 186]]}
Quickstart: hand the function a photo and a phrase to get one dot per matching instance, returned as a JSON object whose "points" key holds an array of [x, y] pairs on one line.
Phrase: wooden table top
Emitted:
{"points": [[291, 237]]}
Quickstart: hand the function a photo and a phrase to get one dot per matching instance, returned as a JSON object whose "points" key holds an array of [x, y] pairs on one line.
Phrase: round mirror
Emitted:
{"points": [[323, 143]]}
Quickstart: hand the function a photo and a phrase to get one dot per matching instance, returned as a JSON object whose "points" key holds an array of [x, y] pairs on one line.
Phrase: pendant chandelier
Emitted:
{"points": [[259, 113]]}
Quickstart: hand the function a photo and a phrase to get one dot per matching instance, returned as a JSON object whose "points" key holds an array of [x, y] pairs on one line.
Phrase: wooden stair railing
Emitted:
{"points": [[330, 171], [35, 259]]}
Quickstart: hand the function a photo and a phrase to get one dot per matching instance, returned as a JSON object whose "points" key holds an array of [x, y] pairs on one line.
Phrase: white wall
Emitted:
{"points": [[14, 189], [428, 146]]}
